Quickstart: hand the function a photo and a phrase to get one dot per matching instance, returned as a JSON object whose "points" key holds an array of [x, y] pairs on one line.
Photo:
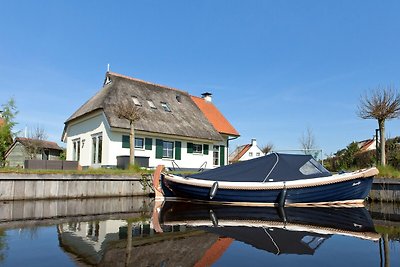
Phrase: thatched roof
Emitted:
{"points": [[185, 118]]}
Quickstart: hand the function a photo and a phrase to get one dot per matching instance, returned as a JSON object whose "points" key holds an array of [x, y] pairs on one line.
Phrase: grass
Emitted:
{"points": [[388, 172], [392, 231], [99, 171]]}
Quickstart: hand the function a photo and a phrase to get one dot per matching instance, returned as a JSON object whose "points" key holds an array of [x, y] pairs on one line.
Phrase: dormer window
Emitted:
{"points": [[151, 104], [136, 101], [165, 106]]}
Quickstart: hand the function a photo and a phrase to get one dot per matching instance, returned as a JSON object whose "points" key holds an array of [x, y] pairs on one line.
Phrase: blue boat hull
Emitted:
{"points": [[353, 190]]}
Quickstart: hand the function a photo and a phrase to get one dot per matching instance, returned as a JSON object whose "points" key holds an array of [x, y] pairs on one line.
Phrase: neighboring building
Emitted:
{"points": [[246, 152], [367, 145], [19, 151], [176, 129]]}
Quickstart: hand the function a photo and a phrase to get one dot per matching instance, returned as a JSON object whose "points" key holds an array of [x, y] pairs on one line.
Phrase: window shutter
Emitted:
{"points": [[205, 149], [125, 141], [221, 155], [178, 150], [159, 149], [189, 147], [148, 143]]}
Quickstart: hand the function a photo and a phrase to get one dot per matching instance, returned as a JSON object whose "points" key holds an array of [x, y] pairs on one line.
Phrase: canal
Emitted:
{"points": [[142, 232]]}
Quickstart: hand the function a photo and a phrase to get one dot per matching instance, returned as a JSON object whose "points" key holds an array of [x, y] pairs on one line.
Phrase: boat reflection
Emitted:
{"points": [[291, 230]]}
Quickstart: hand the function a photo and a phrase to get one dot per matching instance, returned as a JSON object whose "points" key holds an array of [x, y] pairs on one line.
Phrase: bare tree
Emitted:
{"points": [[267, 148], [34, 143], [128, 110], [307, 141], [381, 104]]}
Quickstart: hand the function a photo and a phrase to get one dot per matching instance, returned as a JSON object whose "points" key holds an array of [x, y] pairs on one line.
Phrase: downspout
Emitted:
{"points": [[227, 147]]}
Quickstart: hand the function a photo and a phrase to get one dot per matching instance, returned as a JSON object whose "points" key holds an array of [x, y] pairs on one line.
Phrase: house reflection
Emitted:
{"points": [[108, 243]]}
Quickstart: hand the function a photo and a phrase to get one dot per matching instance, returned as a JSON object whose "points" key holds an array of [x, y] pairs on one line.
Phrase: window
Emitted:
{"points": [[165, 106], [168, 149], [151, 104], [197, 148], [178, 98], [136, 101], [76, 151], [258, 154], [250, 154], [216, 155], [97, 149], [312, 167], [139, 143]]}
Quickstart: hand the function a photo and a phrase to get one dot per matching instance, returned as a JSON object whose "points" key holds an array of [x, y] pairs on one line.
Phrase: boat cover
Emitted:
{"points": [[275, 167]]}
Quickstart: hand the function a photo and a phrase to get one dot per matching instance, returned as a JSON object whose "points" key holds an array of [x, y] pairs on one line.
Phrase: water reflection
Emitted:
{"points": [[277, 230], [142, 232]]}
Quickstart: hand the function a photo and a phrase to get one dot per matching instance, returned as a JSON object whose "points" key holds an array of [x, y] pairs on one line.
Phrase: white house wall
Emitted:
{"points": [[252, 153], [112, 146], [84, 130], [188, 160]]}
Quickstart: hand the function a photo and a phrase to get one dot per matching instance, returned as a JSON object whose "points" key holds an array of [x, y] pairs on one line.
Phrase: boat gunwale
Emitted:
{"points": [[325, 230], [296, 184]]}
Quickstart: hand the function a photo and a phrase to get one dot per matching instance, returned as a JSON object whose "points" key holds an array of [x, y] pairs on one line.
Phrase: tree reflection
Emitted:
{"points": [[3, 245]]}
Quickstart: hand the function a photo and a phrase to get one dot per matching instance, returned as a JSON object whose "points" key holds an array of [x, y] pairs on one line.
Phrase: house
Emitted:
{"points": [[176, 129], [367, 145], [27, 148], [246, 152]]}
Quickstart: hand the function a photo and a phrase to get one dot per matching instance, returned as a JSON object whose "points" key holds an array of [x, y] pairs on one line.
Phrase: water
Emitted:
{"points": [[94, 232]]}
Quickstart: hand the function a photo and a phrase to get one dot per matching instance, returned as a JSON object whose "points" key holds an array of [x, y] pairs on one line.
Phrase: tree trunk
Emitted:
{"points": [[386, 249], [128, 244], [383, 141], [132, 145]]}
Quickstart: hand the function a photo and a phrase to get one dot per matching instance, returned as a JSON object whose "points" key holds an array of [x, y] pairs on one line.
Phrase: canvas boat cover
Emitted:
{"points": [[275, 167]]}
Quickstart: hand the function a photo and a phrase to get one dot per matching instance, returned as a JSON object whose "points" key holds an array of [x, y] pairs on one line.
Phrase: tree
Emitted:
{"points": [[129, 111], [307, 141], [6, 126], [381, 104], [267, 148], [34, 144]]}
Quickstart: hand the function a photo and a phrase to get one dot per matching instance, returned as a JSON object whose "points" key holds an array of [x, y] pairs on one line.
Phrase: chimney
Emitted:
{"points": [[207, 96], [253, 142]]}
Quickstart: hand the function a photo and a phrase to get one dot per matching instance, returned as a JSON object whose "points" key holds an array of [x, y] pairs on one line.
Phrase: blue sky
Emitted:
{"points": [[274, 67]]}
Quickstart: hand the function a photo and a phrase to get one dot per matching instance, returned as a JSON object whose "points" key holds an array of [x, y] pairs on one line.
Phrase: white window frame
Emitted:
{"points": [[137, 139], [76, 149], [168, 153], [216, 155], [165, 106], [198, 150], [136, 101], [97, 144], [151, 103]]}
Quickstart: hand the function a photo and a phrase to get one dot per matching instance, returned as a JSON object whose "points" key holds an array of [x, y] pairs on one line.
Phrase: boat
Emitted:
{"points": [[279, 230], [272, 180]]}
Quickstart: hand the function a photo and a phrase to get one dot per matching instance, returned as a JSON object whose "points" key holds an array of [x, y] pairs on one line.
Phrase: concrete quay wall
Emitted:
{"points": [[385, 189], [60, 186]]}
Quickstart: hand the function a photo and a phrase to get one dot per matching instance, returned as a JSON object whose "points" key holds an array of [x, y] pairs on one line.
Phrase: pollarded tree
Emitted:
{"points": [[307, 141], [34, 144], [381, 104], [128, 110]]}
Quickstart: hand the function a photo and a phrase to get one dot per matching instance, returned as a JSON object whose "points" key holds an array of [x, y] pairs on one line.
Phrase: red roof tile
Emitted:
{"points": [[220, 123]]}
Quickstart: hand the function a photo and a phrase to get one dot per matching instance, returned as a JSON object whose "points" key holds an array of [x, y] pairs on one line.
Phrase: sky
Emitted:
{"points": [[275, 68]]}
